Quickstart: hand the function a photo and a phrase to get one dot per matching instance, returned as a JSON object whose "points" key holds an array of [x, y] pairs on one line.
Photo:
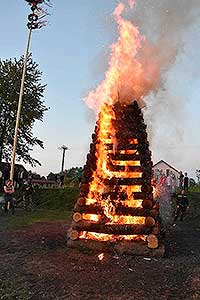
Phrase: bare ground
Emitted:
{"points": [[35, 264]]}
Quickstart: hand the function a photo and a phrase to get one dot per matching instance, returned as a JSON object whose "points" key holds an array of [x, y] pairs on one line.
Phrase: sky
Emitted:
{"points": [[72, 52]]}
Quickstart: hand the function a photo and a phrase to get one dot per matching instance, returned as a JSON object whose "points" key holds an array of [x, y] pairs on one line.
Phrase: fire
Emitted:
{"points": [[135, 163], [114, 219], [102, 237], [113, 165], [125, 74]]}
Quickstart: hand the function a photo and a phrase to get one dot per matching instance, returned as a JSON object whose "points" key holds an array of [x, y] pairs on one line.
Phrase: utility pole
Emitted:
{"points": [[63, 148], [34, 22]]}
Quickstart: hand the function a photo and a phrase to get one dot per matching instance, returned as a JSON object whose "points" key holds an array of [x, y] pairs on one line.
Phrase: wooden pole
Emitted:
{"points": [[63, 160], [20, 106]]}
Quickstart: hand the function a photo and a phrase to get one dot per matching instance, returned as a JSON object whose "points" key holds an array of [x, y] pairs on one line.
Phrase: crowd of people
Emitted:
{"points": [[169, 187]]}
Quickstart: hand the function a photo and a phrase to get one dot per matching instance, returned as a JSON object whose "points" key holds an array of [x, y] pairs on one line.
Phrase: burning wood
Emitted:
{"points": [[116, 199], [115, 210]]}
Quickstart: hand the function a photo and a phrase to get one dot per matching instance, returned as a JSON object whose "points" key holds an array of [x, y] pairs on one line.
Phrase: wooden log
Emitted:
{"points": [[126, 134], [149, 221], [89, 209], [139, 195], [122, 146], [152, 241], [73, 235], [123, 181], [81, 201], [139, 249], [111, 229], [148, 204], [124, 157], [119, 210], [116, 168], [147, 188], [77, 217]]}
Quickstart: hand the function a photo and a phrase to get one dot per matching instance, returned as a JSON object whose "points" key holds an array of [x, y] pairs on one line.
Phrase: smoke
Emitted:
{"points": [[167, 26], [143, 63]]}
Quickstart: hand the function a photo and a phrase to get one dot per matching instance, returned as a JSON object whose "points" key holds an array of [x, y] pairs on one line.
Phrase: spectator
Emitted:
{"points": [[181, 179], [28, 190], [9, 201], [182, 204], [186, 183]]}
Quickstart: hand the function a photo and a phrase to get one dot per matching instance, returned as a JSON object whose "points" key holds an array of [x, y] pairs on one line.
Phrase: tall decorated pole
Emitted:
{"points": [[35, 21]]}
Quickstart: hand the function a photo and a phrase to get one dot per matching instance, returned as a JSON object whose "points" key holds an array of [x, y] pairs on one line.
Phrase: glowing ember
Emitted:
{"points": [[135, 163], [114, 219], [102, 237]]}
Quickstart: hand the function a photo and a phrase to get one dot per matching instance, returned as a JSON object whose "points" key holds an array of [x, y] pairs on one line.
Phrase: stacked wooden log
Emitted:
{"points": [[129, 157]]}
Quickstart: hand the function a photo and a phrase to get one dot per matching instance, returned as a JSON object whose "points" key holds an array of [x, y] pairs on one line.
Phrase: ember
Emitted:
{"points": [[115, 210]]}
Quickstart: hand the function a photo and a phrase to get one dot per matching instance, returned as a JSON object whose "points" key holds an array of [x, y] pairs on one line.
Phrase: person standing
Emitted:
{"points": [[186, 183], [28, 190], [8, 194], [181, 176], [182, 203]]}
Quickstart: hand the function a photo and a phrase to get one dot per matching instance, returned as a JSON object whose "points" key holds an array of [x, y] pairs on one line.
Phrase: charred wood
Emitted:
{"points": [[111, 229]]}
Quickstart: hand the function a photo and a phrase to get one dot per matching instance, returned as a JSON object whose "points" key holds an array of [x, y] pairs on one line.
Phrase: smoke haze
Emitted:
{"points": [[161, 80], [166, 25]]}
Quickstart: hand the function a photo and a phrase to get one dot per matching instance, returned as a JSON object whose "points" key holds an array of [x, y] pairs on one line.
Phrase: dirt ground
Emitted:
{"points": [[35, 264]]}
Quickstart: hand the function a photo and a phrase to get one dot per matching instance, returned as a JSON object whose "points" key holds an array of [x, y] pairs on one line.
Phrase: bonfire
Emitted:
{"points": [[116, 210]]}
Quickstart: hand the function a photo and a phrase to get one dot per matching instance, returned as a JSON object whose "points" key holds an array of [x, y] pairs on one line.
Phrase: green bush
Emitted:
{"points": [[55, 199]]}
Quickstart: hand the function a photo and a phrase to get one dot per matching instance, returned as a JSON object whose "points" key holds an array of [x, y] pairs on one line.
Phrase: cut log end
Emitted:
{"points": [[74, 235], [77, 217], [147, 204], [152, 241], [123, 247], [81, 201], [149, 221]]}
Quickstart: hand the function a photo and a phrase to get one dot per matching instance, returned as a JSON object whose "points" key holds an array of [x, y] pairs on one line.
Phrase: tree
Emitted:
{"points": [[74, 173], [33, 108]]}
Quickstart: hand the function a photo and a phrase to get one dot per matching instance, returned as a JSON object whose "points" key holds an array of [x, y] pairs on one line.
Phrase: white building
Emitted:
{"points": [[162, 168]]}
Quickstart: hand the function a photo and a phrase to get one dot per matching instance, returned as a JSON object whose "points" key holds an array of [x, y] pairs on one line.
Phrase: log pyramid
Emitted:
{"points": [[115, 210]]}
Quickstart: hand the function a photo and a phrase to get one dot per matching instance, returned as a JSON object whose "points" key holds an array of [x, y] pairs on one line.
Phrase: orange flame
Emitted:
{"points": [[124, 77], [125, 73], [103, 237]]}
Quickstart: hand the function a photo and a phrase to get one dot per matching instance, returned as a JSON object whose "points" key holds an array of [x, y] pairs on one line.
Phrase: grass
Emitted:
{"points": [[24, 219], [56, 199], [195, 188], [49, 205], [57, 204]]}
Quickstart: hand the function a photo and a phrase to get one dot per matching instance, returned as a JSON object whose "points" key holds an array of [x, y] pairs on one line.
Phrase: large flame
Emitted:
{"points": [[125, 75]]}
